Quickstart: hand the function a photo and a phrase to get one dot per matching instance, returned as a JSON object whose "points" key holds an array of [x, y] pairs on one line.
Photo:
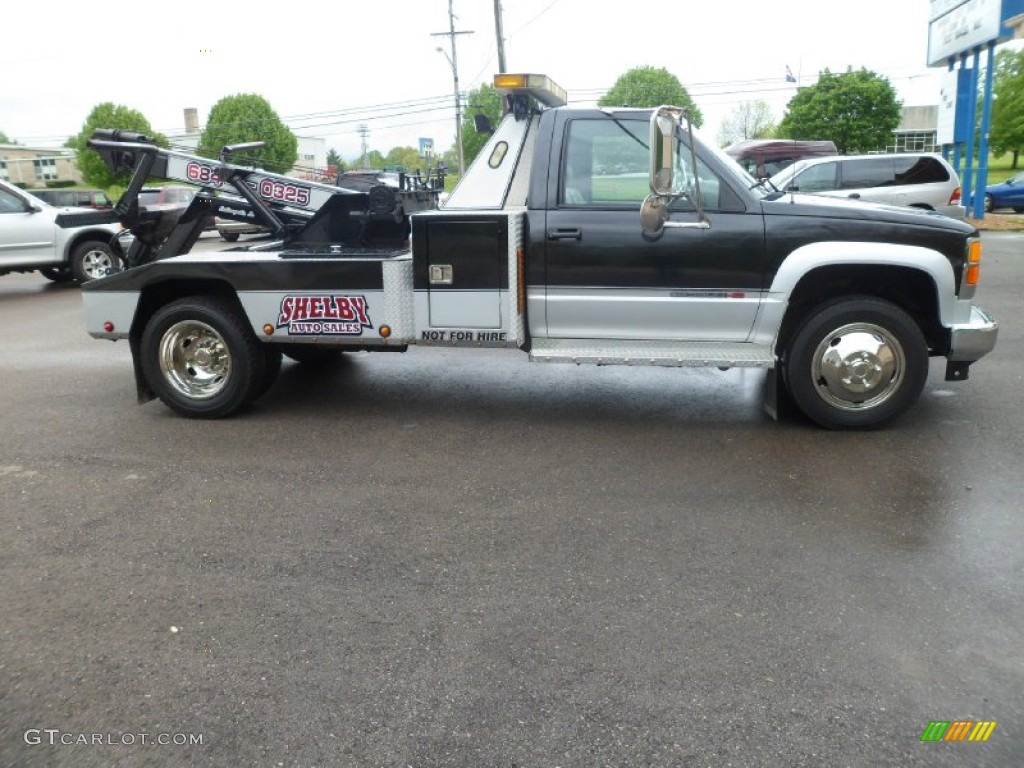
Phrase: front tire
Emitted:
{"points": [[92, 259], [856, 363], [201, 358], [229, 237]]}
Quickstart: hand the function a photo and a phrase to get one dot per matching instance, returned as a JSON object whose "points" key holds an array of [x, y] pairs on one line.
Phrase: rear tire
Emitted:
{"points": [[229, 237], [201, 358], [92, 259], [989, 204], [1018, 210], [856, 363]]}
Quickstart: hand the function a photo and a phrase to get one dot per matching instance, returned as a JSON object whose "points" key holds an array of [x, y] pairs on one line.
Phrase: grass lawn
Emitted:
{"points": [[999, 168]]}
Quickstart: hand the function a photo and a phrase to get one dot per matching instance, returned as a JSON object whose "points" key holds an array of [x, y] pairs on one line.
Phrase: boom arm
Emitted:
{"points": [[282, 204]]}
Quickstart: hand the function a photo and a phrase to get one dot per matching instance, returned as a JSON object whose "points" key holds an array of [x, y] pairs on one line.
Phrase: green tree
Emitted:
{"points": [[650, 87], [1007, 132], [749, 120], [335, 160], [372, 160], [247, 117], [484, 100], [857, 109], [108, 115], [5, 139], [407, 159]]}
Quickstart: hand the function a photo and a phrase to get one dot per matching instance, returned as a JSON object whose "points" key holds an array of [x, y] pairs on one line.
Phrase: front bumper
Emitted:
{"points": [[974, 339]]}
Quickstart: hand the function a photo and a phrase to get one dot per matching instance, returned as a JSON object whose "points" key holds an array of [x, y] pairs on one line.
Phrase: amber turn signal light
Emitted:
{"points": [[973, 273]]}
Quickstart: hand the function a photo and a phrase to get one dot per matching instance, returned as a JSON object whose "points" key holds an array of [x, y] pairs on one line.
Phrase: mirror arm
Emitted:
{"points": [[703, 222]]}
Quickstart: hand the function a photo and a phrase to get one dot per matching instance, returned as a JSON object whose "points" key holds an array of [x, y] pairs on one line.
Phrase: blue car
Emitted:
{"points": [[1008, 194]]}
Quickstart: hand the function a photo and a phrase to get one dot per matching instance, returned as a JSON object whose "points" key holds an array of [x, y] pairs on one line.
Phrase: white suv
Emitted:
{"points": [[914, 179], [30, 240]]}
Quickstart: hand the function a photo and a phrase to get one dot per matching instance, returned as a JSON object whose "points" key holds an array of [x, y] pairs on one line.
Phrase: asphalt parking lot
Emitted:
{"points": [[456, 558]]}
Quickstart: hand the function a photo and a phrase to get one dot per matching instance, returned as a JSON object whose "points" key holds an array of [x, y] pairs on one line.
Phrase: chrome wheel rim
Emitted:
{"points": [[858, 366], [195, 360], [96, 263]]}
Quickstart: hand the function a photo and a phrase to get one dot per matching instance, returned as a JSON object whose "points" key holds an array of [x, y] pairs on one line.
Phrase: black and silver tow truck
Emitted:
{"points": [[578, 235]]}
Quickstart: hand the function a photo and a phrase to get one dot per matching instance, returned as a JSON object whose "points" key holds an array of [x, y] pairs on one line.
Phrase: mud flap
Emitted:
{"points": [[775, 398]]}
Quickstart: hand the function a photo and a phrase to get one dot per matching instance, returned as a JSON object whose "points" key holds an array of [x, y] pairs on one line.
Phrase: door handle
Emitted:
{"points": [[855, 195], [573, 233], [441, 274]]}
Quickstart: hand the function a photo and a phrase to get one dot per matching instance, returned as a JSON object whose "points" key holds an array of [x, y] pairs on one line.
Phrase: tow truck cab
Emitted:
{"points": [[609, 236]]}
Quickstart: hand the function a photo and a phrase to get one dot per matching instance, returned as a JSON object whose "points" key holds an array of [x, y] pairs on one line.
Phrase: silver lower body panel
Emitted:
{"points": [[664, 353]]}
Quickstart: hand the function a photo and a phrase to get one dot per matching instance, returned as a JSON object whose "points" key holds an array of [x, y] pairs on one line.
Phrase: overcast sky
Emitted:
{"points": [[327, 68]]}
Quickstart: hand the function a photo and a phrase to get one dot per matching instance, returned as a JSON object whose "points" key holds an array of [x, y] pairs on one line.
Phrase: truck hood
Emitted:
{"points": [[795, 204]]}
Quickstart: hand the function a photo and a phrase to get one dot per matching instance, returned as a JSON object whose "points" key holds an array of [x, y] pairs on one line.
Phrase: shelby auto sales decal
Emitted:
{"points": [[329, 315]]}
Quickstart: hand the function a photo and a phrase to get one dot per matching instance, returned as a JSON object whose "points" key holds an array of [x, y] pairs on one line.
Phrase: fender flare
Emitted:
{"points": [[805, 259]]}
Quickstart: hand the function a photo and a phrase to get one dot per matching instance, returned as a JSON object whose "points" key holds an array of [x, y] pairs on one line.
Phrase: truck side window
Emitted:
{"points": [[606, 164]]}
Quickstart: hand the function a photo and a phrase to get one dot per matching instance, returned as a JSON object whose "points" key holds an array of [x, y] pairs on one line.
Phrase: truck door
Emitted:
{"points": [[603, 279]]}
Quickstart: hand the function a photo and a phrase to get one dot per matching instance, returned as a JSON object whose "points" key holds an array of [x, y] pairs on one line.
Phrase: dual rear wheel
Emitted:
{"points": [[202, 359]]}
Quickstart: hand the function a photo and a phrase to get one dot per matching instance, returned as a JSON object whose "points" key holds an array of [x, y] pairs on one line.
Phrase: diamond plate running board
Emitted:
{"points": [[667, 353]]}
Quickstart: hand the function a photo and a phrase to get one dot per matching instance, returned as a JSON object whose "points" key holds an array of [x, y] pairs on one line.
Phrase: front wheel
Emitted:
{"points": [[201, 358], [856, 363], [91, 260], [229, 237]]}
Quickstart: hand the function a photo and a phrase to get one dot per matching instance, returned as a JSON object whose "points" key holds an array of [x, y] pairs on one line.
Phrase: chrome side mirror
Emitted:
{"points": [[664, 147], [653, 215], [668, 176]]}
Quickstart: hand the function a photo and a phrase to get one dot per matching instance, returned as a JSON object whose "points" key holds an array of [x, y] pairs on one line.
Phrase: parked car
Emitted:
{"points": [[913, 179], [30, 240], [1007, 194], [762, 158], [78, 198]]}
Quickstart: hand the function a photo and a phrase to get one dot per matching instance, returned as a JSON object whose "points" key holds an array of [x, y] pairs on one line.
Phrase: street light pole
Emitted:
{"points": [[453, 61]]}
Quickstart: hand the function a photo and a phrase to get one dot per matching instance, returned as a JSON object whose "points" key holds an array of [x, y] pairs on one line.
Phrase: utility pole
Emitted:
{"points": [[500, 35], [454, 62], [363, 132]]}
